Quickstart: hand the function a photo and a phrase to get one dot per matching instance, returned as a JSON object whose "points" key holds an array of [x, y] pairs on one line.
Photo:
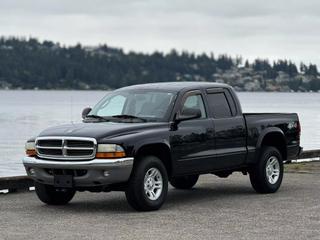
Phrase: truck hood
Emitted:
{"points": [[98, 130]]}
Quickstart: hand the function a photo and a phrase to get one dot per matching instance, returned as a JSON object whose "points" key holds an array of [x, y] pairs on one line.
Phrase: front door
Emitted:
{"points": [[192, 141]]}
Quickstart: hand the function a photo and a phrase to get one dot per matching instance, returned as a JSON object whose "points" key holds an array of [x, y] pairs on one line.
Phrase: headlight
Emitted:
{"points": [[30, 149], [110, 151]]}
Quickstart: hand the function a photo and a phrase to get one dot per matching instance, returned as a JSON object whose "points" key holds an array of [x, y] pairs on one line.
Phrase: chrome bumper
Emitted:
{"points": [[99, 171]]}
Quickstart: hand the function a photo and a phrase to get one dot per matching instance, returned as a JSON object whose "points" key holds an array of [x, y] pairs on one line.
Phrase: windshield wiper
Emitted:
{"points": [[126, 116], [97, 117]]}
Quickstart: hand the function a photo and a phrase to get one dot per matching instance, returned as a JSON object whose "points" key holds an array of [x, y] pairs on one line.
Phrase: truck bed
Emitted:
{"points": [[259, 124]]}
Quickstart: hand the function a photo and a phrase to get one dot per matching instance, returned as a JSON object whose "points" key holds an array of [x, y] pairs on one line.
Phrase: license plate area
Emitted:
{"points": [[63, 181]]}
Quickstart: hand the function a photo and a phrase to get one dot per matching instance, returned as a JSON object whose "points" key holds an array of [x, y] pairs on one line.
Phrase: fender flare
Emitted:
{"points": [[262, 136], [168, 161], [149, 141]]}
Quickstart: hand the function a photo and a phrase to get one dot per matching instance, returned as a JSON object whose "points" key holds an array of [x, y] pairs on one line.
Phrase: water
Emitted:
{"points": [[25, 113], [307, 105]]}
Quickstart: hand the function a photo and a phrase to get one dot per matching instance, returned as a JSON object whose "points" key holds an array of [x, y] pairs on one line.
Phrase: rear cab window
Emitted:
{"points": [[221, 103]]}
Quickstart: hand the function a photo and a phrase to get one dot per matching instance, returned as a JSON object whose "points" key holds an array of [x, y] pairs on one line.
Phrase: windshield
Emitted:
{"points": [[146, 105]]}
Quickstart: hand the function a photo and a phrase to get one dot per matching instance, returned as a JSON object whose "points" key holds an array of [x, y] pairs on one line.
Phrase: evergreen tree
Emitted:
{"points": [[247, 65], [30, 63]]}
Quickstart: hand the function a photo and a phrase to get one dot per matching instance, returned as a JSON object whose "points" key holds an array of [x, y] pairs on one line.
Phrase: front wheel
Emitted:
{"points": [[148, 185], [266, 175], [53, 196], [184, 182]]}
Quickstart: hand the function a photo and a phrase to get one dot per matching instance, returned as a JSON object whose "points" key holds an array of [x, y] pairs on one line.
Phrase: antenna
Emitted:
{"points": [[71, 108]]}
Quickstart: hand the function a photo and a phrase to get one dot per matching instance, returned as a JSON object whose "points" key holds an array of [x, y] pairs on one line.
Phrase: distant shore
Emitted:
{"points": [[32, 64], [66, 89]]}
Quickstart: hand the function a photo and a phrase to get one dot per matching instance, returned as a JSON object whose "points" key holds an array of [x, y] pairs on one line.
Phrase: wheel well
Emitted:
{"points": [[276, 140], [159, 150]]}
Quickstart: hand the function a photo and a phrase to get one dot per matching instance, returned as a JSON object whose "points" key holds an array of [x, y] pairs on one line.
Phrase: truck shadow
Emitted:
{"points": [[116, 202], [205, 195]]}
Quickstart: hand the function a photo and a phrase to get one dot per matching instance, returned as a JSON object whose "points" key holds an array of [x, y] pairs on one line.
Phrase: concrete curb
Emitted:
{"points": [[14, 184]]}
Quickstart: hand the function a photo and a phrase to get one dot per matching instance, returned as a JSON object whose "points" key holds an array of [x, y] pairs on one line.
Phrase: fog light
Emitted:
{"points": [[32, 171], [106, 173]]}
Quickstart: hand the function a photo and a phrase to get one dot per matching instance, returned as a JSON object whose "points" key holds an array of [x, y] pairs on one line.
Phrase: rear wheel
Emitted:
{"points": [[266, 176], [54, 196], [148, 185], [184, 182]]}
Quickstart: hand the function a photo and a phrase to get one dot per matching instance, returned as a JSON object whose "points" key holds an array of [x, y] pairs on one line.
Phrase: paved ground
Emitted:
{"points": [[215, 209]]}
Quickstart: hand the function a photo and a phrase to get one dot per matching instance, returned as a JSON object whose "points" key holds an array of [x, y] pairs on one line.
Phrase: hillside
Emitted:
{"points": [[31, 64]]}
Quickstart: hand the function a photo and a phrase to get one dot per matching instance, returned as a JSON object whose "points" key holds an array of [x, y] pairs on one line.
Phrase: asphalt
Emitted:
{"points": [[215, 209]]}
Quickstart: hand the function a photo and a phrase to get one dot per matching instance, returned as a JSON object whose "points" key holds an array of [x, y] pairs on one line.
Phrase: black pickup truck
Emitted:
{"points": [[139, 138]]}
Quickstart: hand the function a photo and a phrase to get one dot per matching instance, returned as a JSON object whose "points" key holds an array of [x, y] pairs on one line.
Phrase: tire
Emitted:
{"points": [[53, 196], [267, 174], [148, 184], [184, 182]]}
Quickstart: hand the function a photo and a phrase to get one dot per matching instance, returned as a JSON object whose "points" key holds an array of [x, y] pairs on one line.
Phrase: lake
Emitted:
{"points": [[24, 114]]}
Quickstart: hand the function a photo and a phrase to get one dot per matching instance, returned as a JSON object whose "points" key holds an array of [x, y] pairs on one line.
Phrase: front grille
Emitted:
{"points": [[66, 148]]}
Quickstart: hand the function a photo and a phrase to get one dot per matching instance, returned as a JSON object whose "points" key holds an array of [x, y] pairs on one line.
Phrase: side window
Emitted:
{"points": [[219, 105], [194, 102], [231, 103]]}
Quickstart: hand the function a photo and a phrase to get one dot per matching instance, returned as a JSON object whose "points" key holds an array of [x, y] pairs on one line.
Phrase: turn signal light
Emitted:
{"points": [[31, 152], [30, 149], [110, 154]]}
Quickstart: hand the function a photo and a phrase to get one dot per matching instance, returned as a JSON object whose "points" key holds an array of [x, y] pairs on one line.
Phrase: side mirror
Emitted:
{"points": [[85, 112], [188, 114]]}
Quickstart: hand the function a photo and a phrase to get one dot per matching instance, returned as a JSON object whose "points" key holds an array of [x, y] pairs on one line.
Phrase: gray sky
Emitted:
{"points": [[251, 28]]}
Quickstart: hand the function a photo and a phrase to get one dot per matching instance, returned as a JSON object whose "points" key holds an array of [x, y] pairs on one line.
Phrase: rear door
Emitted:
{"points": [[229, 128]]}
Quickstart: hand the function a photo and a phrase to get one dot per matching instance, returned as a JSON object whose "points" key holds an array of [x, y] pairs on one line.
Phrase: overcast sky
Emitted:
{"points": [[251, 28]]}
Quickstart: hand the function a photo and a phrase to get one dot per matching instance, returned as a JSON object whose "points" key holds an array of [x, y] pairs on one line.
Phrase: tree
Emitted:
{"points": [[312, 70], [247, 65]]}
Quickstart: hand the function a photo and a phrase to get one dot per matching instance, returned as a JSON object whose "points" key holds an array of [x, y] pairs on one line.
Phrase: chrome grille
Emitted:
{"points": [[68, 148]]}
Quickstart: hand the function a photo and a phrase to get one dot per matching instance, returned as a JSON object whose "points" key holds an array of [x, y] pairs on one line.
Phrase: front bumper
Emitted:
{"points": [[118, 170]]}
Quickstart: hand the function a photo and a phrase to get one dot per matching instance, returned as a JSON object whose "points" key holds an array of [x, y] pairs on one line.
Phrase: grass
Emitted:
{"points": [[303, 167]]}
